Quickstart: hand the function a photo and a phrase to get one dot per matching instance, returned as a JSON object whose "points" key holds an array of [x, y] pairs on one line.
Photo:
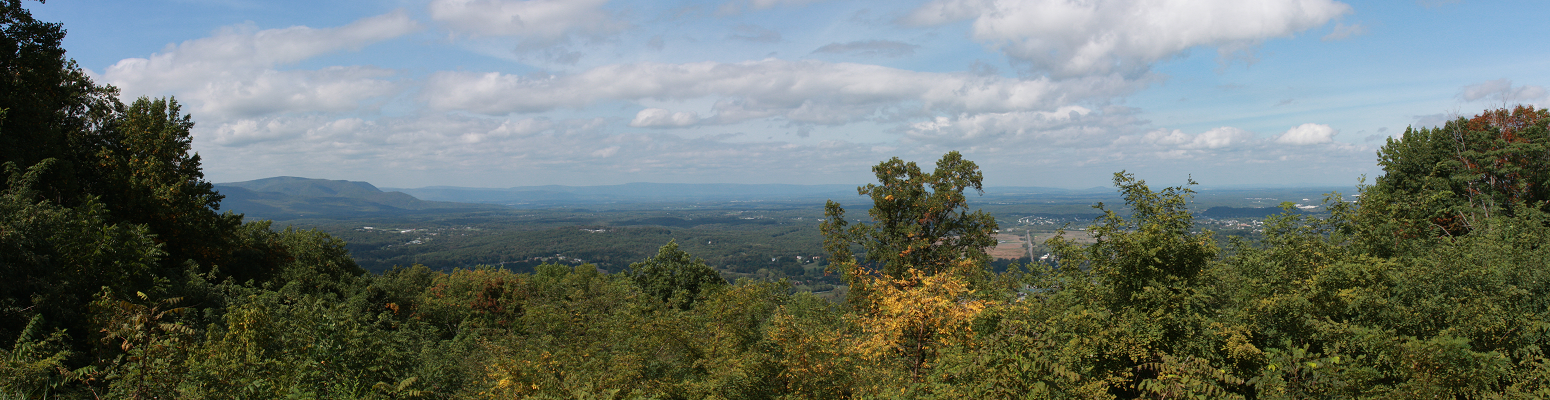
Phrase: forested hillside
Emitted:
{"points": [[289, 197], [123, 279]]}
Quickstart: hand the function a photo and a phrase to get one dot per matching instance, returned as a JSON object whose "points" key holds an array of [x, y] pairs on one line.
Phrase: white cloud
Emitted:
{"points": [[1215, 138], [1070, 38], [244, 48], [248, 131], [812, 91], [1501, 90], [1225, 154], [1063, 126], [521, 128], [1221, 137], [537, 22], [233, 73], [478, 151], [660, 118], [333, 89], [1306, 134]]}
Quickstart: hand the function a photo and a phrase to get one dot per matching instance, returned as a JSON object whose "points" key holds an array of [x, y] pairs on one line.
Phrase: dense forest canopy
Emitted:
{"points": [[122, 279]]}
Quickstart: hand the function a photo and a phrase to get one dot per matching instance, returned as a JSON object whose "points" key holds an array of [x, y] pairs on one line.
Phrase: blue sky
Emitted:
{"points": [[499, 93]]}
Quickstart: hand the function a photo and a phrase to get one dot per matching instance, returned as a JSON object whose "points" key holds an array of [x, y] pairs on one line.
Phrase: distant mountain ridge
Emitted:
{"points": [[644, 192], [289, 197], [631, 192], [309, 187]]}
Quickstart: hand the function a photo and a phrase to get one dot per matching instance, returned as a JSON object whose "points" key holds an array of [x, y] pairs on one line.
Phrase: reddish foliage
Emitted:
{"points": [[1499, 149], [1508, 122]]}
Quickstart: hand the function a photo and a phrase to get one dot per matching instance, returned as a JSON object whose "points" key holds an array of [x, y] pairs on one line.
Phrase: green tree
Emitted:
{"points": [[51, 109], [1155, 247], [317, 262], [1445, 181], [675, 277], [920, 221], [150, 175], [1133, 306], [54, 258]]}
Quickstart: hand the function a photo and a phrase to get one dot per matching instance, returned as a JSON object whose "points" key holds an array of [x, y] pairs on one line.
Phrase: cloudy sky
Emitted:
{"points": [[1059, 93]]}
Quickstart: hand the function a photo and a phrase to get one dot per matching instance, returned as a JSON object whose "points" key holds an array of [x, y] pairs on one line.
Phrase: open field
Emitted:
{"points": [[1009, 246]]}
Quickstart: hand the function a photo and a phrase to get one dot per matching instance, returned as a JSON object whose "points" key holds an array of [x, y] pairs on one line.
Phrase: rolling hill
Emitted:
{"points": [[287, 197]]}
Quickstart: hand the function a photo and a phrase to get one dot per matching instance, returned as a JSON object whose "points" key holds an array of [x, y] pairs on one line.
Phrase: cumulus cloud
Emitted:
{"points": [[485, 151], [332, 89], [1220, 137], [660, 118], [808, 90], [1501, 90], [1067, 38], [1216, 138], [1065, 126], [1306, 134], [538, 23], [1225, 154], [234, 72], [311, 142], [248, 131], [245, 48], [869, 48]]}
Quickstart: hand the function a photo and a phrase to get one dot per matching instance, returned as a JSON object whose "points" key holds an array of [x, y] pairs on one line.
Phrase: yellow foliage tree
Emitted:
{"points": [[913, 316], [815, 349]]}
